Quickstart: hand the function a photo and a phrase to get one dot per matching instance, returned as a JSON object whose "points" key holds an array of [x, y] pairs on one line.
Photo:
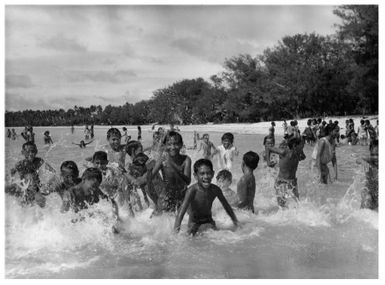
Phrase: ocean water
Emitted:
{"points": [[326, 235]]}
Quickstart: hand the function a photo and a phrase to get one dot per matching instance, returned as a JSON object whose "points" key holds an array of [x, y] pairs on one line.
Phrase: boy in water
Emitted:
{"points": [[369, 195], [86, 193], [47, 138], [224, 179], [176, 173], [69, 177], [227, 151], [272, 131], [325, 153], [362, 133], [207, 146], [116, 152], [289, 158], [268, 141], [246, 184], [28, 169], [199, 200]]}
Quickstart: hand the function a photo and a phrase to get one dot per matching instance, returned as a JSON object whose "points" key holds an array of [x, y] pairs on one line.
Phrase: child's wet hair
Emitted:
{"points": [[100, 155], [228, 136], [251, 159], [113, 132], [132, 146], [92, 173], [225, 175], [201, 162], [176, 135], [29, 144], [293, 141], [69, 164], [140, 159]]}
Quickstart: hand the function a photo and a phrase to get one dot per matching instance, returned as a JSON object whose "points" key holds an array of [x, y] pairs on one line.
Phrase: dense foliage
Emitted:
{"points": [[303, 75]]}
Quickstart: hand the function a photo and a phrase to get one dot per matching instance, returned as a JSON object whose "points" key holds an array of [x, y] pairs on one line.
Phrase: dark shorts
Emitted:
{"points": [[171, 199], [194, 225]]}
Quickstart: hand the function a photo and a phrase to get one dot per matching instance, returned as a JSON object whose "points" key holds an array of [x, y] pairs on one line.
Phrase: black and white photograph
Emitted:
{"points": [[191, 141]]}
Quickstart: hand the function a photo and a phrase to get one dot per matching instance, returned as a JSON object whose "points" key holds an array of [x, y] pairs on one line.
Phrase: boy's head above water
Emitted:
{"points": [[224, 179], [203, 172], [92, 177], [227, 140], [133, 148], [99, 159], [174, 143], [29, 150], [251, 160], [68, 171], [114, 137]]}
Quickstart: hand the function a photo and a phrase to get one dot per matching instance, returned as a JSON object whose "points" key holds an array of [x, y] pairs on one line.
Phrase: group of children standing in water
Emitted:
{"points": [[162, 173]]}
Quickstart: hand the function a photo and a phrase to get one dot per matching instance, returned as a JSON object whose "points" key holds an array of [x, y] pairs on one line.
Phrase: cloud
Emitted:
{"points": [[215, 49], [101, 76], [18, 81], [62, 43]]}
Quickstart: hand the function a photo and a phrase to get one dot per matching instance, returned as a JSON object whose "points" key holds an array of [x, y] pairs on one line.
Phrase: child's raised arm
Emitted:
{"points": [[270, 150], [186, 202]]}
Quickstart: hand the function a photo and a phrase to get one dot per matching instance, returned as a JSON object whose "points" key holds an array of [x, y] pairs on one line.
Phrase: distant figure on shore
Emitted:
{"points": [[72, 128], [92, 131], [14, 135], [9, 134], [83, 144], [87, 133], [139, 133], [47, 138]]}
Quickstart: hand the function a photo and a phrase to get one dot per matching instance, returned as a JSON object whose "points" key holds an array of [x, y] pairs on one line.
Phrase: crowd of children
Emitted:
{"points": [[162, 172]]}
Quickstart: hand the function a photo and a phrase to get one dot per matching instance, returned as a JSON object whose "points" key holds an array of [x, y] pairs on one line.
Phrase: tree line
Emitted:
{"points": [[304, 75]]}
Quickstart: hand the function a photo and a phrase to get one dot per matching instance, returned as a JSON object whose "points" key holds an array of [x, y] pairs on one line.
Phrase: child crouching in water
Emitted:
{"points": [[199, 200], [224, 179]]}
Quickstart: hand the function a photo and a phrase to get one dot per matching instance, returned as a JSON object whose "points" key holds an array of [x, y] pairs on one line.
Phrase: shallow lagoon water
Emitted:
{"points": [[326, 236]]}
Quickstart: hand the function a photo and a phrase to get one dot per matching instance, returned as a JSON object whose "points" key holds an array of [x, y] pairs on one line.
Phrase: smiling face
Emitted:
{"points": [[29, 152], [68, 176], [226, 143], [114, 142], [173, 146], [100, 164], [204, 175]]}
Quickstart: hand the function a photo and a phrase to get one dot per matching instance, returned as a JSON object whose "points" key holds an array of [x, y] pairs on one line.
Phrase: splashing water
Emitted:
{"points": [[325, 235]]}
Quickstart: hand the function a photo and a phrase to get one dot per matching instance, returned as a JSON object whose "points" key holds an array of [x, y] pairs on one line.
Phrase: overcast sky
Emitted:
{"points": [[61, 56]]}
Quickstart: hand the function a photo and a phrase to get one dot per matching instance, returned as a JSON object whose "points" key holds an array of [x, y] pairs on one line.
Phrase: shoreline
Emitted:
{"points": [[236, 128]]}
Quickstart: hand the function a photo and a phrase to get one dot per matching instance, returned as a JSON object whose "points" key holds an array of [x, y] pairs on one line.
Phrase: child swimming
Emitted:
{"points": [[199, 200]]}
